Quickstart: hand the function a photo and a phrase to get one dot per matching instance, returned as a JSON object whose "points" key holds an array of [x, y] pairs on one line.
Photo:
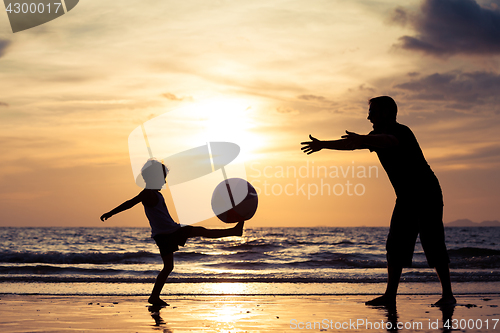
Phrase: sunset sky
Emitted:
{"points": [[72, 90]]}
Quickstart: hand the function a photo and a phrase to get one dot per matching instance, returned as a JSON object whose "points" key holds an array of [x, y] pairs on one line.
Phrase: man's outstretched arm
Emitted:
{"points": [[316, 145], [350, 141]]}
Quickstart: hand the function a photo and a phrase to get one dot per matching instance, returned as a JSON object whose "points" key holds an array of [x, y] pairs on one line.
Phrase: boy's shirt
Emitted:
{"points": [[159, 218]]}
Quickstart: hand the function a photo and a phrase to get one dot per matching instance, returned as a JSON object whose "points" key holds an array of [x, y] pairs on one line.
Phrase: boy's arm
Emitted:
{"points": [[124, 206]]}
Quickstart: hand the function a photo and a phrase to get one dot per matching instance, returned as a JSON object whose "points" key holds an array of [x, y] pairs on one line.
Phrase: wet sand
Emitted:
{"points": [[413, 313]]}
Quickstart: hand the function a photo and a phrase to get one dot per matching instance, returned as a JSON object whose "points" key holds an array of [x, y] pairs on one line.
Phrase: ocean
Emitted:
{"points": [[284, 261]]}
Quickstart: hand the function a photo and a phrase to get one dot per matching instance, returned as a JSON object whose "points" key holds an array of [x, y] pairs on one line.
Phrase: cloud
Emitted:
{"points": [[483, 155], [399, 16], [311, 98], [173, 97], [3, 104], [286, 110], [448, 27], [362, 87], [4, 44], [470, 157], [462, 90]]}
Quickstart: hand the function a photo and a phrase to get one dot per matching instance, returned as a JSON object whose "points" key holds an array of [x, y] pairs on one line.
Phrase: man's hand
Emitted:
{"points": [[105, 216], [353, 140], [312, 146]]}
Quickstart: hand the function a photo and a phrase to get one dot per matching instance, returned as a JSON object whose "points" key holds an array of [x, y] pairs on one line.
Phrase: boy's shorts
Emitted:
{"points": [[410, 219], [169, 243]]}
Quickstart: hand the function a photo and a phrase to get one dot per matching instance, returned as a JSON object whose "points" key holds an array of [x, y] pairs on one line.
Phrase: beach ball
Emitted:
{"points": [[234, 200]]}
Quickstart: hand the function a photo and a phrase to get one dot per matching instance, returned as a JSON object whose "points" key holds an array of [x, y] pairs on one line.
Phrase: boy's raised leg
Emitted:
{"points": [[237, 230]]}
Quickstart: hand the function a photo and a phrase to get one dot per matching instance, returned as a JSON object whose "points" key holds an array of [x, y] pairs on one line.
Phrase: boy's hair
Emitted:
{"points": [[385, 104], [153, 170]]}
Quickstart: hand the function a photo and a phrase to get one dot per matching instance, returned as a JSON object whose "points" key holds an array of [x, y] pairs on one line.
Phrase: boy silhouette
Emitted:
{"points": [[167, 233], [419, 203]]}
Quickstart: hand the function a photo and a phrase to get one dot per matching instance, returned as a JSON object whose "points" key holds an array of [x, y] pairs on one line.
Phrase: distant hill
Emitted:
{"points": [[469, 223]]}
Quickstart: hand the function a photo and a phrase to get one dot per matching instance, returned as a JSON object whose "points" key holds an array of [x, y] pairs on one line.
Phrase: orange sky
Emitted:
{"points": [[73, 89]]}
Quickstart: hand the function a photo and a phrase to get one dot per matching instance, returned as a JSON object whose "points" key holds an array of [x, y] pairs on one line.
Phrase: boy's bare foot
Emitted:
{"points": [[238, 229], [446, 300], [157, 302], [382, 301]]}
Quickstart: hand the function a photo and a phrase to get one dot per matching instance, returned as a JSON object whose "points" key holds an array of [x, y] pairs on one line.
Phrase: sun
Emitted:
{"points": [[230, 120]]}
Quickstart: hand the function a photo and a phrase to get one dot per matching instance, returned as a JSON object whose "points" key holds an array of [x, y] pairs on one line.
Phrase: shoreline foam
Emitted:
{"points": [[241, 289]]}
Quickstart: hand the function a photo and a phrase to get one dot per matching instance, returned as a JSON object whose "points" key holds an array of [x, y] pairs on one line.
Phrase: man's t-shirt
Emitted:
{"points": [[406, 167]]}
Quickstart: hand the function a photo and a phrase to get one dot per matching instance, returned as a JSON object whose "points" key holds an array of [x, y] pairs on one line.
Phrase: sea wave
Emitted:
{"points": [[305, 255], [255, 257], [473, 252], [428, 276], [54, 257]]}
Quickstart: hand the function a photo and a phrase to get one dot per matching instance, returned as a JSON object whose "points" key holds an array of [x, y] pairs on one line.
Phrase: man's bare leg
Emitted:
{"points": [[447, 297], [389, 297], [168, 266]]}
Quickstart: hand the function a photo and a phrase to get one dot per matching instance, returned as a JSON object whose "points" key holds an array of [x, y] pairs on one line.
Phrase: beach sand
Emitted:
{"points": [[36, 313]]}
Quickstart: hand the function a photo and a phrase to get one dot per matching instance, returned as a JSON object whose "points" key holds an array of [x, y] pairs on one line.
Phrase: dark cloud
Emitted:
{"points": [[4, 44], [3, 104], [399, 16], [447, 27], [459, 89], [173, 97]]}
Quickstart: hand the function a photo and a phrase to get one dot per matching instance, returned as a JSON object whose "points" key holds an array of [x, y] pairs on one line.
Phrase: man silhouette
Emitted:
{"points": [[419, 203]]}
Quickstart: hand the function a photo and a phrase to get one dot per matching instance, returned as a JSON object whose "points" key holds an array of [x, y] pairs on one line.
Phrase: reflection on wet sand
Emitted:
{"points": [[394, 325], [155, 314]]}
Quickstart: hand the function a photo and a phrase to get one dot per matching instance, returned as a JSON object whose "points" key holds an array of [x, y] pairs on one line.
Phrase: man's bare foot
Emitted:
{"points": [[382, 301], [157, 302], [238, 229], [445, 301]]}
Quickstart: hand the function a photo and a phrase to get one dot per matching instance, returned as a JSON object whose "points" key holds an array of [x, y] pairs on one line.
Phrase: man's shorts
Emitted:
{"points": [[169, 243], [409, 219]]}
